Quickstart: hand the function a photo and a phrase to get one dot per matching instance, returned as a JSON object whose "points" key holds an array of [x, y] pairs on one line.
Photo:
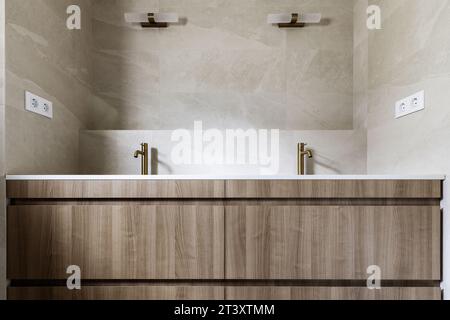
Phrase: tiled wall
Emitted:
{"points": [[360, 74], [111, 152], [46, 58], [411, 53], [2, 156], [225, 65]]}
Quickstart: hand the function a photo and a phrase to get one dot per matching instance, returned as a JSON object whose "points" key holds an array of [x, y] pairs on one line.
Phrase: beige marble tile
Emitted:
{"points": [[130, 75], [239, 71], [414, 144], [411, 53], [413, 44], [320, 60], [335, 32], [46, 58], [2, 156], [223, 64], [225, 52], [360, 31], [35, 144], [114, 150], [226, 26], [360, 74], [44, 53], [116, 36], [321, 90], [2, 77], [112, 11]]}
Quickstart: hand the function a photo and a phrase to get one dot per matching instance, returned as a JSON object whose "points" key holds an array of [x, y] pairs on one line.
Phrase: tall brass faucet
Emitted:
{"points": [[301, 153], [144, 158]]}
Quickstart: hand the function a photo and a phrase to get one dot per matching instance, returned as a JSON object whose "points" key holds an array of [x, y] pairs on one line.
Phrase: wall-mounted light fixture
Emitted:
{"points": [[152, 20], [293, 20]]}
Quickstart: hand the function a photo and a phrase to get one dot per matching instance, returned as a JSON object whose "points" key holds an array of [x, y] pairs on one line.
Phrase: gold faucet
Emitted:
{"points": [[301, 153], [144, 158]]}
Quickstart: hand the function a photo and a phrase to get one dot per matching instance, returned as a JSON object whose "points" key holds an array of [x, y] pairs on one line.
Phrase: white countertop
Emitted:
{"points": [[225, 177]]}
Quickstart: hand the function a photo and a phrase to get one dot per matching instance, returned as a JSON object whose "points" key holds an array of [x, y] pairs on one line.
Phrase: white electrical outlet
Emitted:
{"points": [[39, 105], [409, 105]]}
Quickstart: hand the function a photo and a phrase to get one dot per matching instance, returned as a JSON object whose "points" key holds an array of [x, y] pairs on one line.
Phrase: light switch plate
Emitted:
{"points": [[38, 105], [409, 105]]}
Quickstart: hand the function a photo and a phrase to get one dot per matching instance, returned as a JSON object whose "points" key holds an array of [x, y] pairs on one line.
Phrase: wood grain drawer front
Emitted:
{"points": [[119, 189], [333, 189], [332, 243], [116, 242], [331, 293], [137, 292], [221, 293]]}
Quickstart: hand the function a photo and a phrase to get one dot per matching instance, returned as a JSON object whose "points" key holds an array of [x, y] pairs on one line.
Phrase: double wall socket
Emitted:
{"points": [[36, 104], [409, 105]]}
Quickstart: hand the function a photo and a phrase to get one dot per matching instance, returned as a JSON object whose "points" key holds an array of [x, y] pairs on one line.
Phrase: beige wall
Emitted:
{"points": [[44, 57], [411, 53], [225, 65], [241, 73], [360, 74], [2, 156], [111, 152]]}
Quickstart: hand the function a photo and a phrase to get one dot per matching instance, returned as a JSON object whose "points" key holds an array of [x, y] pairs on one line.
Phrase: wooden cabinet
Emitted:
{"points": [[333, 189], [330, 293], [237, 239], [220, 189], [115, 189], [114, 292], [116, 242], [146, 292], [332, 242]]}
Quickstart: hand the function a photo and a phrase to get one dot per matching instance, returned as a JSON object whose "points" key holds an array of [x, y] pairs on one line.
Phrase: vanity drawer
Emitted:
{"points": [[333, 189], [175, 292], [137, 292], [116, 242], [115, 189], [331, 293], [332, 242]]}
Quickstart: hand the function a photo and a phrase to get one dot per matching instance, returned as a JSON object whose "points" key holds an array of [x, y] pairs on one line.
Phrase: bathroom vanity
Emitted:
{"points": [[193, 237]]}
